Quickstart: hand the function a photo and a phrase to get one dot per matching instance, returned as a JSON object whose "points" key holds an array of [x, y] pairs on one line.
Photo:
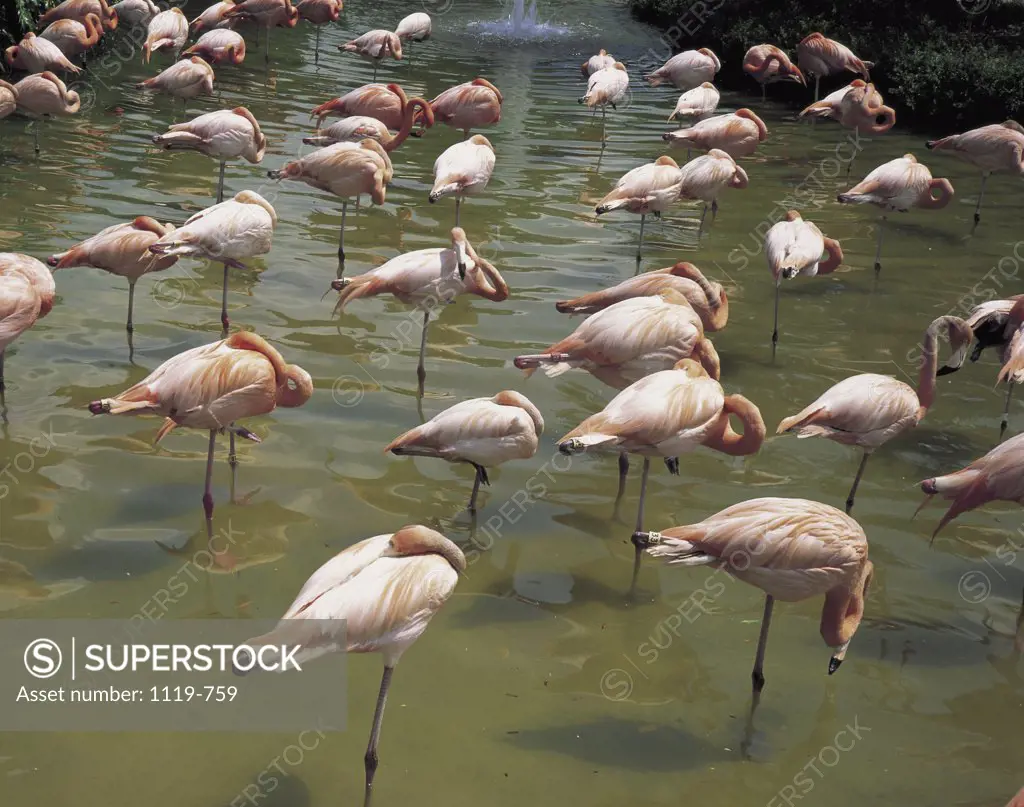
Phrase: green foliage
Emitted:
{"points": [[19, 16], [934, 62]]}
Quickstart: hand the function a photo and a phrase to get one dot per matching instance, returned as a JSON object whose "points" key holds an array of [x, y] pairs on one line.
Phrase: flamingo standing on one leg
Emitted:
{"points": [[386, 103], [44, 95], [998, 476], [821, 56], [472, 105], [78, 10], [168, 30], [868, 410], [26, 295], [225, 134], [791, 549], [375, 46], [767, 64], [794, 247], [415, 27], [381, 593], [360, 127], [857, 106], [484, 432], [664, 415], [707, 299], [705, 177], [999, 147], [899, 185], [606, 86], [319, 13], [698, 103], [463, 169], [135, 12], [651, 188], [210, 387], [737, 134], [687, 70], [227, 232], [122, 250], [428, 279], [346, 170]]}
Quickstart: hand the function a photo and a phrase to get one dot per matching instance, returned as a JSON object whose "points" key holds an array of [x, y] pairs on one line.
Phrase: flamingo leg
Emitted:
{"points": [[640, 247], [371, 759], [604, 124], [131, 304], [638, 552], [878, 249], [817, 88], [700, 229], [266, 53], [981, 197], [316, 47], [856, 482], [232, 461], [220, 182], [775, 332], [421, 372], [35, 134], [623, 472], [1006, 412], [208, 492], [481, 476], [757, 675], [375, 63], [3, 386], [341, 239], [224, 302]]}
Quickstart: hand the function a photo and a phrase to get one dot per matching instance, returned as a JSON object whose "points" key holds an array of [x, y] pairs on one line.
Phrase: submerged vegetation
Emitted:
{"points": [[947, 63]]}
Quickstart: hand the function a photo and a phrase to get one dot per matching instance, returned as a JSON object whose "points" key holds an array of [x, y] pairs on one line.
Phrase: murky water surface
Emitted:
{"points": [[538, 683]]}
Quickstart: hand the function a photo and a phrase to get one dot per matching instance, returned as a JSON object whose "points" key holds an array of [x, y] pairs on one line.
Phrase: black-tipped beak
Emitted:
{"points": [[666, 137], [642, 540], [99, 407], [833, 664]]}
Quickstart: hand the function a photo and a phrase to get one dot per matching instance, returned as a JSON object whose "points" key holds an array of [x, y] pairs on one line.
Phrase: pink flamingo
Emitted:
{"points": [[386, 103], [26, 296], [687, 70], [375, 46], [472, 105], [219, 46], [168, 30], [319, 13], [737, 134], [34, 54], [360, 127], [767, 64], [821, 56]]}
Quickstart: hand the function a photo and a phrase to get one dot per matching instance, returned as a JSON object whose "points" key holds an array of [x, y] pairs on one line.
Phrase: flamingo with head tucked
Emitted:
{"points": [[698, 103], [122, 250], [472, 105], [998, 147], [706, 298], [857, 106], [386, 103], [821, 56], [650, 188], [463, 169], [8, 99], [267, 14], [705, 177], [43, 95], [868, 410], [214, 16], [186, 79], [767, 64], [794, 247], [135, 12], [687, 70], [599, 61], [35, 54], [375, 46], [415, 27], [738, 134], [664, 415], [483, 432], [360, 127], [26, 295], [211, 387], [428, 279], [78, 10], [347, 170], [219, 46], [899, 184], [74, 37], [607, 86], [319, 13]]}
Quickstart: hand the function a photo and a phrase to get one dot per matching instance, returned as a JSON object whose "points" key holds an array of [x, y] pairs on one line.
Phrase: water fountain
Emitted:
{"points": [[522, 24]]}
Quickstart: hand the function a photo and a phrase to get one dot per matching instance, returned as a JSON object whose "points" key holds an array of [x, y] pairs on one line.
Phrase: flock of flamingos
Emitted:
{"points": [[646, 337]]}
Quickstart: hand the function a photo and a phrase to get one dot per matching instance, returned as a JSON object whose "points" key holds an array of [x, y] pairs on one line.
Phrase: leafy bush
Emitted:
{"points": [[19, 16], [935, 63]]}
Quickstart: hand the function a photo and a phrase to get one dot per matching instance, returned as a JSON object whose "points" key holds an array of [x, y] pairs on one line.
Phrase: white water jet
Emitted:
{"points": [[522, 24]]}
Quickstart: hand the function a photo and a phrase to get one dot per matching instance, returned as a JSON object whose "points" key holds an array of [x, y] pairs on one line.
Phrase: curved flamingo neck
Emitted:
{"points": [[728, 441], [929, 366], [297, 389], [888, 121], [762, 72], [844, 608], [835, 257], [492, 285], [944, 190], [408, 116]]}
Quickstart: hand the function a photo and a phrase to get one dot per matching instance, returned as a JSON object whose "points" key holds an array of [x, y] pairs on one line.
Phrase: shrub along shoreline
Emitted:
{"points": [[947, 65]]}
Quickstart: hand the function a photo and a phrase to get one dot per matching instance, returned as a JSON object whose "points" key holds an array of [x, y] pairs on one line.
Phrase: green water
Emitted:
{"points": [[538, 683]]}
